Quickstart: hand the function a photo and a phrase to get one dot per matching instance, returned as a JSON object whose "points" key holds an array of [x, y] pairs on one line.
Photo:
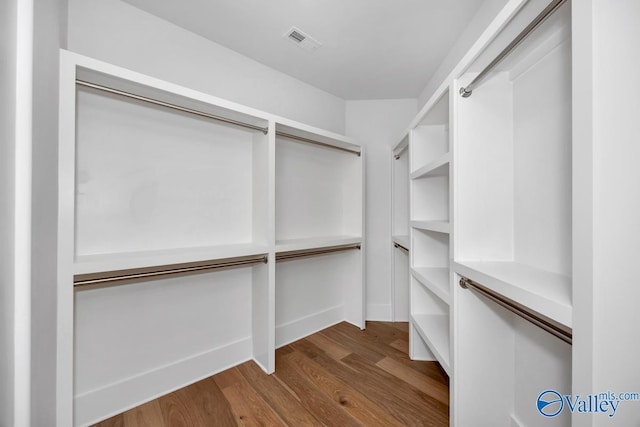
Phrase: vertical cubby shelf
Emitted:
{"points": [[513, 210], [400, 230], [186, 202], [318, 232], [430, 222]]}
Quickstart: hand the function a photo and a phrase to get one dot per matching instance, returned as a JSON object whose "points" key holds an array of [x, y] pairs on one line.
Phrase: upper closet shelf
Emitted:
{"points": [[435, 168], [87, 264], [120, 81], [308, 134], [315, 243], [437, 226], [541, 291]]}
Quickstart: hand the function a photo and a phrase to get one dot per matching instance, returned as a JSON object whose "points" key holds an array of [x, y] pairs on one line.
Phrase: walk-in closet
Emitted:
{"points": [[362, 213]]}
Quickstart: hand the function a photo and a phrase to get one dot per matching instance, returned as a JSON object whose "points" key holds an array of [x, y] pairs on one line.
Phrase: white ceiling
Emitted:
{"points": [[371, 49]]}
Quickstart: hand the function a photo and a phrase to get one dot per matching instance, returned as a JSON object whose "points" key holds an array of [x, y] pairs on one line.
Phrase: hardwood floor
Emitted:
{"points": [[341, 376]]}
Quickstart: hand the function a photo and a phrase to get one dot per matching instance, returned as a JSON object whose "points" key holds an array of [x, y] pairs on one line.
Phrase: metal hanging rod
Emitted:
{"points": [[147, 273], [311, 141], [290, 255], [466, 91], [398, 154], [541, 321], [402, 248], [172, 106]]}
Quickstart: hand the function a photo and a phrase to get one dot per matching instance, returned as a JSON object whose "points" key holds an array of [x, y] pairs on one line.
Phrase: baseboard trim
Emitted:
{"points": [[100, 404], [305, 326]]}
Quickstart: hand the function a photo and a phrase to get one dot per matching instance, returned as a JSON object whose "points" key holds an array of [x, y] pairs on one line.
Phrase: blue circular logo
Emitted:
{"points": [[550, 403]]}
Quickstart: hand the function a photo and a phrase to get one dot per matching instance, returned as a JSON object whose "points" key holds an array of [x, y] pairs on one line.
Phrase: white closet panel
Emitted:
{"points": [[174, 207]]}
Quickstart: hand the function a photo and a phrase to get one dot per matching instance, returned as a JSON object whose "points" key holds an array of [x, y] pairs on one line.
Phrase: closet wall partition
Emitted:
{"points": [[400, 230], [194, 234], [499, 220]]}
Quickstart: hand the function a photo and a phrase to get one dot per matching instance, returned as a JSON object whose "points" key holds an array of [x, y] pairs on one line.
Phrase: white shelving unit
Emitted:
{"points": [[430, 222], [400, 231], [318, 205], [513, 229], [159, 182]]}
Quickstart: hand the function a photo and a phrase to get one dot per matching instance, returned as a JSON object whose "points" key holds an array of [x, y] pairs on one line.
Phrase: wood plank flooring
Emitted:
{"points": [[341, 376]]}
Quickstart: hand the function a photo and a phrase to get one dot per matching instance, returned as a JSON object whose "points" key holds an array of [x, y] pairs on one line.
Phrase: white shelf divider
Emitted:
{"points": [[435, 280], [434, 330]]}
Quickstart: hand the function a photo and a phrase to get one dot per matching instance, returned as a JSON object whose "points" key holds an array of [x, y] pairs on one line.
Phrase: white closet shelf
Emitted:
{"points": [[315, 242], [542, 291], [436, 280], [85, 264], [123, 80], [437, 226], [434, 330], [436, 168], [298, 130], [402, 240]]}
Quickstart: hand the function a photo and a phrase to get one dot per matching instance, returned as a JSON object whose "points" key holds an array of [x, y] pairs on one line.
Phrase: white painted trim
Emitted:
{"points": [[300, 328], [22, 213], [97, 405]]}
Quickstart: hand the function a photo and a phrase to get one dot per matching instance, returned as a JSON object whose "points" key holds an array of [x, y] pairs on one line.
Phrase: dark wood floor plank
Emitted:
{"points": [[384, 332], [401, 345], [117, 421], [250, 409], [424, 383], [332, 348], [316, 402], [210, 403], [420, 405], [388, 395], [147, 415], [403, 326], [278, 396], [351, 400], [370, 342], [354, 343], [175, 410]]}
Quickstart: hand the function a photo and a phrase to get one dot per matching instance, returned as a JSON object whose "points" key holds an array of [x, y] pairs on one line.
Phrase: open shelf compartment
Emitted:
{"points": [[513, 177]]}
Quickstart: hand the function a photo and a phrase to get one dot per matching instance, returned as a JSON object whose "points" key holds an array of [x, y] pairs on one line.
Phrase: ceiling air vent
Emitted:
{"points": [[302, 40]]}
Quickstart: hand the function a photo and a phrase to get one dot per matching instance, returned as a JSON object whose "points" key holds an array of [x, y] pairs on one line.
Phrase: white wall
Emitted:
{"points": [[485, 14], [116, 32], [7, 180], [15, 164], [377, 125], [49, 35]]}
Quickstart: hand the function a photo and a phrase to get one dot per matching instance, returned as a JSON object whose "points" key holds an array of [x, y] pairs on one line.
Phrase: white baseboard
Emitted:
{"points": [[100, 404], [379, 312], [300, 328]]}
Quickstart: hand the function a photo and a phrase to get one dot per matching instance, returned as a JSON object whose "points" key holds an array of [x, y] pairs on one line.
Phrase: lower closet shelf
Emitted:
{"points": [[434, 330], [434, 279]]}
